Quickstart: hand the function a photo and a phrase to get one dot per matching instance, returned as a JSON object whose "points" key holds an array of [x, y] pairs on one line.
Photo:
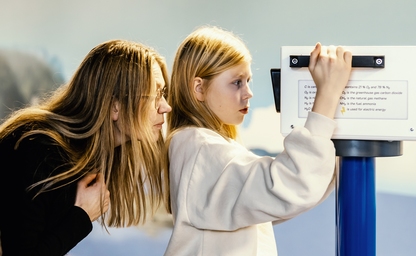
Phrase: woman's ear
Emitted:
{"points": [[199, 89], [114, 110]]}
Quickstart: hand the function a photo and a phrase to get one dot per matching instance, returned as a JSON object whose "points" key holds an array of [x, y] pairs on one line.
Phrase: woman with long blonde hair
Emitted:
{"points": [[94, 145]]}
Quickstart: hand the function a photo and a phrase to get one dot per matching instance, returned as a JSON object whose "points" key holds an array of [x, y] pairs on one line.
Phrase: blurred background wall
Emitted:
{"points": [[43, 41]]}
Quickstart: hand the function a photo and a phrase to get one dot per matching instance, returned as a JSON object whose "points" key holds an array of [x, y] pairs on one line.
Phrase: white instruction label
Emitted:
{"points": [[362, 99]]}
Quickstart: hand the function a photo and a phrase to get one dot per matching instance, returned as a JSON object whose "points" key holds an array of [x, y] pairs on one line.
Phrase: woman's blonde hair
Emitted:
{"points": [[205, 53], [78, 113]]}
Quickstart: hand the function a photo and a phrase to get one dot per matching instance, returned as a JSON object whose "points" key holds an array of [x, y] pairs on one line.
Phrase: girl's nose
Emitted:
{"points": [[248, 94]]}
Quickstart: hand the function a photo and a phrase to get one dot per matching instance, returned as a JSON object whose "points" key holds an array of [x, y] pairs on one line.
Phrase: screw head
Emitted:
{"points": [[295, 61], [379, 61]]}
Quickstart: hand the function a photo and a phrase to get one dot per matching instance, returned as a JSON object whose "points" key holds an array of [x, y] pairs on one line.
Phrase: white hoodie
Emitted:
{"points": [[224, 198]]}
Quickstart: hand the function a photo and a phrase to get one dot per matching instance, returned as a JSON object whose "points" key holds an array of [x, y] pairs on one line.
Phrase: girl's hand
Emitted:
{"points": [[330, 68]]}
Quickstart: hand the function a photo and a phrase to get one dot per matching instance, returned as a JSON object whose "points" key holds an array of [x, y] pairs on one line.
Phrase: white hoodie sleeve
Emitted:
{"points": [[219, 185]]}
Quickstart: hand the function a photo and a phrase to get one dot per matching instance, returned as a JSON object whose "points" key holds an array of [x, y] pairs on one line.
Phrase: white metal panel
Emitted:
{"points": [[377, 104]]}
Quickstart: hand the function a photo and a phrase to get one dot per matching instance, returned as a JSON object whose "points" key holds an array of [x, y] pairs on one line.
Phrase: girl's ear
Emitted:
{"points": [[114, 110], [199, 89]]}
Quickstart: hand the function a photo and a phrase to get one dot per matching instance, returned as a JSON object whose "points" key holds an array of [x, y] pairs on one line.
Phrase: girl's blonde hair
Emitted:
{"points": [[205, 53], [78, 113]]}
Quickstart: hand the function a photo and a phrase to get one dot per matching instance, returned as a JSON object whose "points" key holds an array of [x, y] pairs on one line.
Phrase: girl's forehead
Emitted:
{"points": [[241, 69]]}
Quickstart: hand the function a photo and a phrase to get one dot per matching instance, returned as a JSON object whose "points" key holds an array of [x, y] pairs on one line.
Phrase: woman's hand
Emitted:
{"points": [[92, 195], [330, 68]]}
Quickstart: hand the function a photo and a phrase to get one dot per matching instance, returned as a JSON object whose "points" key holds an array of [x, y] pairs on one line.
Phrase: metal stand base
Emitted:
{"points": [[355, 194]]}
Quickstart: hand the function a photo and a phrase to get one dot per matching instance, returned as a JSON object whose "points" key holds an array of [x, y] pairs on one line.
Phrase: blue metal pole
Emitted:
{"points": [[356, 207]]}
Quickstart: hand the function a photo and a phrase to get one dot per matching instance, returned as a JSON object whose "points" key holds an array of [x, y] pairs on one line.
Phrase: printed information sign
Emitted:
{"points": [[362, 99], [378, 103]]}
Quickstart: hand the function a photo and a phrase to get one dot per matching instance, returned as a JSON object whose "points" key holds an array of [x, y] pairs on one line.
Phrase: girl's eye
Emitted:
{"points": [[239, 83]]}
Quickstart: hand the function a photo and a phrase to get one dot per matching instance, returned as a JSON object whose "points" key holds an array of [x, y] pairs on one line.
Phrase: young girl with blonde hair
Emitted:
{"points": [[224, 198]]}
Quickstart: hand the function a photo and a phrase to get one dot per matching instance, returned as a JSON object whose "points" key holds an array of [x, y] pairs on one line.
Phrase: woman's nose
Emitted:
{"points": [[164, 107]]}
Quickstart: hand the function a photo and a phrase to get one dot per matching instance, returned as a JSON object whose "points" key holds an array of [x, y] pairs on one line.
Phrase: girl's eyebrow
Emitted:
{"points": [[241, 75]]}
